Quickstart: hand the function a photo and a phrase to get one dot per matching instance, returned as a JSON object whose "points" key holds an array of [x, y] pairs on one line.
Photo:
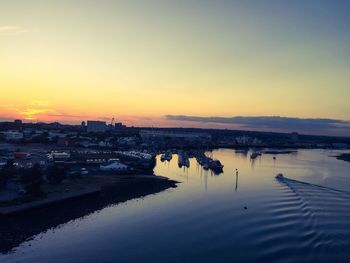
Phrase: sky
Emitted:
{"points": [[178, 63]]}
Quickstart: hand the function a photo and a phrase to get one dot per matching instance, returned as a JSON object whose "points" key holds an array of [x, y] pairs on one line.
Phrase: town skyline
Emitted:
{"points": [[174, 131], [274, 124]]}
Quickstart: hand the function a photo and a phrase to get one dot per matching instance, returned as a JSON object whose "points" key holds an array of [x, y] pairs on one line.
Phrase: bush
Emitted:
{"points": [[7, 172], [2, 179], [55, 174], [32, 180]]}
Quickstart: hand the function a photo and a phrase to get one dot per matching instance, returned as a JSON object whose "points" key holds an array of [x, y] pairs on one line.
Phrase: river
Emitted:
{"points": [[248, 216]]}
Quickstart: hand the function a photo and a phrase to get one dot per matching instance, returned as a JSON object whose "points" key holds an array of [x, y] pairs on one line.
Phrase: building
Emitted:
{"points": [[119, 125], [21, 155], [244, 140], [18, 122], [56, 134], [13, 135], [295, 136], [113, 166], [96, 126], [64, 142], [127, 141], [59, 156], [93, 157]]}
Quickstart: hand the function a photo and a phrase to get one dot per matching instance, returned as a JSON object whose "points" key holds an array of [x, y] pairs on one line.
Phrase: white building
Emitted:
{"points": [[113, 166], [127, 141], [53, 134], [58, 155], [244, 140], [13, 135]]}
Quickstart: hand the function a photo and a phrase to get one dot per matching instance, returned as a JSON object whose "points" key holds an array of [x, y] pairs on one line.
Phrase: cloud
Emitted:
{"points": [[11, 30], [39, 103], [33, 114], [275, 123], [64, 115]]}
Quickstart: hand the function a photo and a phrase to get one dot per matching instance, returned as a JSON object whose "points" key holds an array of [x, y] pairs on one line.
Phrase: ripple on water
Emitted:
{"points": [[304, 221]]}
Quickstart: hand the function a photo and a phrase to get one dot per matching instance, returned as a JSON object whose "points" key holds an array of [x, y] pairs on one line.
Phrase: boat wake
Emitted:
{"points": [[320, 217]]}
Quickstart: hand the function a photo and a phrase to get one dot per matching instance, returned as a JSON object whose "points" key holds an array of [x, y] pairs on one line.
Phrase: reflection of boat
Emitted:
{"points": [[254, 155], [275, 152], [187, 162], [206, 166], [179, 160], [183, 160]]}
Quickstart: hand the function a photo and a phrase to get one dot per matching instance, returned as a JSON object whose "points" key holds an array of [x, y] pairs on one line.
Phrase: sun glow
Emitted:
{"points": [[123, 60]]}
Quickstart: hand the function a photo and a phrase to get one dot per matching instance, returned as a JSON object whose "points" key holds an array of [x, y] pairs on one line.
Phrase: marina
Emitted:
{"points": [[246, 206], [174, 131]]}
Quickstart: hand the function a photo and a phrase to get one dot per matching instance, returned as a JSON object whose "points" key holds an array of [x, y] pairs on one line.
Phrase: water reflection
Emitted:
{"points": [[242, 215]]}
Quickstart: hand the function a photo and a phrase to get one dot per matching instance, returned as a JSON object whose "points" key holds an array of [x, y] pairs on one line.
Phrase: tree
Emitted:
{"points": [[7, 172], [9, 168], [32, 180], [3, 179], [42, 138], [55, 174]]}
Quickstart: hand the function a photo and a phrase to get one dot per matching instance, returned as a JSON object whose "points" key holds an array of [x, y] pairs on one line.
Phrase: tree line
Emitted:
{"points": [[32, 179]]}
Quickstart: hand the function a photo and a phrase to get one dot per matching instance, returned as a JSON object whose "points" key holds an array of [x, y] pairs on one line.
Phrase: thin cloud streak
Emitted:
{"points": [[275, 123], [63, 115], [12, 30]]}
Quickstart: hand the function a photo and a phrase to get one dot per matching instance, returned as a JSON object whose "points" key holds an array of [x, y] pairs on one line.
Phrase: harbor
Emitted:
{"points": [[247, 195]]}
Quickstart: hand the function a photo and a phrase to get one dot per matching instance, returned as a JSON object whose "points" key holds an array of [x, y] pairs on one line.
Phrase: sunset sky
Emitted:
{"points": [[168, 63]]}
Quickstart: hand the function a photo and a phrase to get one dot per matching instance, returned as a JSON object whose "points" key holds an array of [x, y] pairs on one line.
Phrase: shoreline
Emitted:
{"points": [[344, 157], [94, 184], [14, 228], [47, 201]]}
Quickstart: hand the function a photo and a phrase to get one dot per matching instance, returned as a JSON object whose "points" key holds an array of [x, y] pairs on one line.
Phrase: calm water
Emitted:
{"points": [[222, 218]]}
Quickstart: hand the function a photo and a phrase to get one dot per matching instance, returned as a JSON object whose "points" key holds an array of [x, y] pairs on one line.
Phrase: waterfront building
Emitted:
{"points": [[96, 126], [59, 156], [113, 166], [18, 122], [119, 125], [13, 135], [244, 140]]}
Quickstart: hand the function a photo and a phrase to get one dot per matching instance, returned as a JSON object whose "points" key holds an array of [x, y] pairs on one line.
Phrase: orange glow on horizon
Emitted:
{"points": [[119, 59]]}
